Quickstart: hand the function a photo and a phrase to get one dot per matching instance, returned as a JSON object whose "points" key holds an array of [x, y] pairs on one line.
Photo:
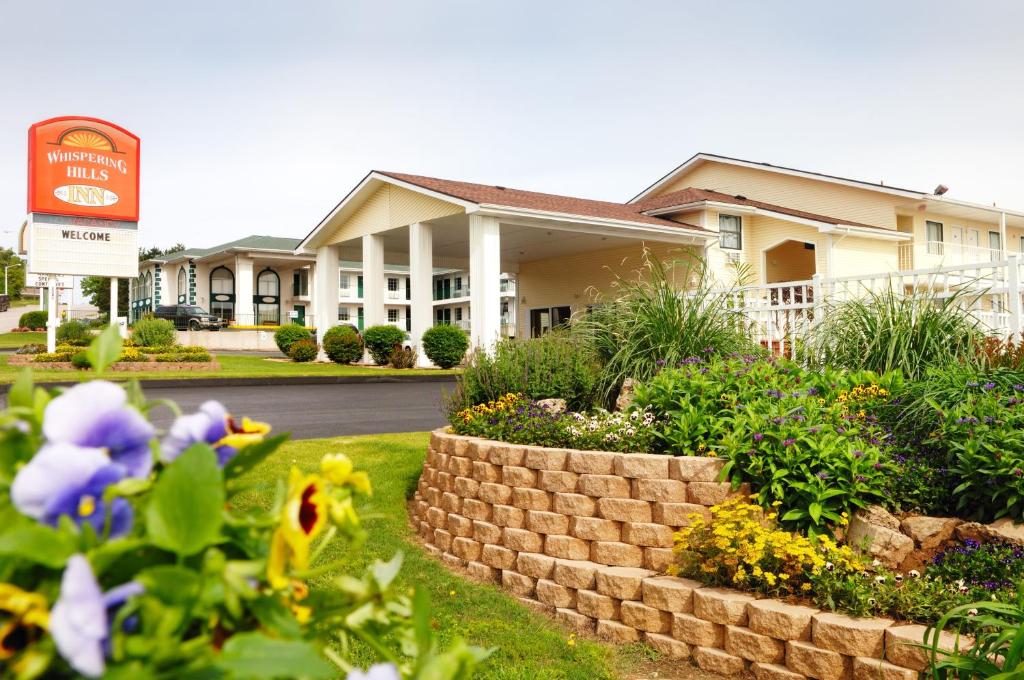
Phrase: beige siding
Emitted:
{"points": [[852, 256], [388, 208], [817, 196], [923, 259]]}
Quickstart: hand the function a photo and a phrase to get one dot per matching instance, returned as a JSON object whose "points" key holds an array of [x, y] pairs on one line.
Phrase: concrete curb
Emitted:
{"points": [[249, 382]]}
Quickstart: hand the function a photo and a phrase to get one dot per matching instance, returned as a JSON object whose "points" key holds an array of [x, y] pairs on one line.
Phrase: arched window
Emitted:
{"points": [[222, 293], [268, 297], [182, 286]]}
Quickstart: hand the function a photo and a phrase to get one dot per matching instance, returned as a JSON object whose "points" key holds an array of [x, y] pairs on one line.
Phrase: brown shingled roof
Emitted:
{"points": [[692, 195], [532, 200]]}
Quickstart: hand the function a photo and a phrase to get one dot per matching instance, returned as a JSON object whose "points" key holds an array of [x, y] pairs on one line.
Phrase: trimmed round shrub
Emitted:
{"points": [[380, 342], [73, 333], [445, 345], [81, 361], [153, 333], [343, 345], [303, 350], [289, 334], [33, 319]]}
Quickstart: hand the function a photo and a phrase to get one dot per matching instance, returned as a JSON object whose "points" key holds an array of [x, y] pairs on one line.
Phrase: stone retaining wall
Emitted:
{"points": [[586, 535]]}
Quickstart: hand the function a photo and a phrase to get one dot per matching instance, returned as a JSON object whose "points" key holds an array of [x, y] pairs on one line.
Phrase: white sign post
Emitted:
{"points": [[51, 316]]}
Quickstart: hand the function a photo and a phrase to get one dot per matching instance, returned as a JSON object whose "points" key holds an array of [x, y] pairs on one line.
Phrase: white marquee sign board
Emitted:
{"points": [[43, 280], [82, 246]]}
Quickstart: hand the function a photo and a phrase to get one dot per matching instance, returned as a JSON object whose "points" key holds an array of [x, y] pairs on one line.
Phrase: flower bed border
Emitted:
{"points": [[585, 535], [120, 366]]}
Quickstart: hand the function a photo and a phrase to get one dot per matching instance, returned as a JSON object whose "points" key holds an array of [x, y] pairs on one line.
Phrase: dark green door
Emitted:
{"points": [[300, 311]]}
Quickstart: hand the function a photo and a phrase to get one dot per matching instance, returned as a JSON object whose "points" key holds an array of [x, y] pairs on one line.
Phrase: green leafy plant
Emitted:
{"points": [[343, 345], [445, 345], [34, 319], [303, 350], [996, 649], [288, 334], [153, 332], [73, 332], [380, 341], [80, 360], [403, 357]]}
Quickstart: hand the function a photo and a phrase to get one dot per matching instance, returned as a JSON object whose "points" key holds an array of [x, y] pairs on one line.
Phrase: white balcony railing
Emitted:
{"points": [[937, 253]]}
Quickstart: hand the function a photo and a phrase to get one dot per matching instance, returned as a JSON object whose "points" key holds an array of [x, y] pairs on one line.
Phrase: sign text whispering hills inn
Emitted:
{"points": [[83, 198]]}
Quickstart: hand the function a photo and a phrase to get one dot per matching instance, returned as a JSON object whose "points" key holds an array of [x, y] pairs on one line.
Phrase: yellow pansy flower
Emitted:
{"points": [[303, 517]]}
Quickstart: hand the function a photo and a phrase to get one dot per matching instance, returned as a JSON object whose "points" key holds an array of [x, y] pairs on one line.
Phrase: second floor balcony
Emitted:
{"points": [[942, 253]]}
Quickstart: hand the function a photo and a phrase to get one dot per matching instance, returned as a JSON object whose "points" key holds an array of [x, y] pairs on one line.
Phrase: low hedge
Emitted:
{"points": [[381, 341], [445, 345], [343, 345], [34, 319], [289, 334]]}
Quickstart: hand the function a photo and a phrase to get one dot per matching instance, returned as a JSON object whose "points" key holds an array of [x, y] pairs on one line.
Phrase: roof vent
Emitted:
{"points": [[941, 189], [740, 197]]}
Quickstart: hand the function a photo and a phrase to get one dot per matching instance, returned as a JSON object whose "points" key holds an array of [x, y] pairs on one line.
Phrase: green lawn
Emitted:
{"points": [[231, 366], [25, 302], [529, 645], [15, 340]]}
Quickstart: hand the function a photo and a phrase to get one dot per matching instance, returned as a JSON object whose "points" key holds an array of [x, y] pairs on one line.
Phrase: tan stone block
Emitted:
{"points": [[485, 532], [850, 636], [575, 621], [747, 644], [535, 565], [902, 645], [432, 550], [716, 661], [495, 494], [603, 486], [466, 548], [531, 499], [544, 522], [658, 559], [670, 593], [508, 516], [694, 631], [624, 509], [445, 482], [713, 493], [451, 501], [667, 646], [459, 466], [486, 472], [780, 620], [518, 584], [596, 605], [433, 497], [474, 509], [721, 605], [640, 616], [614, 553], [814, 662], [512, 475], [695, 468], [595, 529], [522, 540], [482, 572], [459, 525], [647, 534], [477, 449], [557, 481], [613, 631], [446, 442], [567, 547], [622, 583], [555, 595], [929, 532], [453, 561], [771, 671], [507, 454], [541, 458], [443, 540], [591, 462], [437, 518], [865, 668], [576, 574], [678, 514], [498, 557], [661, 490], [460, 444], [535, 605], [642, 466], [574, 504], [436, 437]]}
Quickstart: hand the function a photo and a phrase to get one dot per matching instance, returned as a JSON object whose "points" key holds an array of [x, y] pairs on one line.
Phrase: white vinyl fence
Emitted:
{"points": [[782, 314]]}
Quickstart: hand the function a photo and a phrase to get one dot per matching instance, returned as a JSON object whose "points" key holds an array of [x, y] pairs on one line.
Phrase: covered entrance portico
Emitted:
{"points": [[557, 248]]}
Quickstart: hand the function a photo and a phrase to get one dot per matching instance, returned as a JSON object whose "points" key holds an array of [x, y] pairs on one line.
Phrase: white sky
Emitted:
{"points": [[257, 117]]}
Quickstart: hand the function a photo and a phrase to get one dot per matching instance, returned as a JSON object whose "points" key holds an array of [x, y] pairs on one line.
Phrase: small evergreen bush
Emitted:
{"points": [[73, 333], [403, 357], [153, 333], [445, 345], [34, 319], [381, 340], [289, 334], [343, 345], [303, 350], [81, 361]]}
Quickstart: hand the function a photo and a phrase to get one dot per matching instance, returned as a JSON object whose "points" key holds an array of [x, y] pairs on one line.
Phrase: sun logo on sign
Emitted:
{"points": [[86, 138]]}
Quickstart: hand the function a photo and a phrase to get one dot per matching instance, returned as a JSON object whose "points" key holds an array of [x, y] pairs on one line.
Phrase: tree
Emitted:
{"points": [[15, 272], [96, 289]]}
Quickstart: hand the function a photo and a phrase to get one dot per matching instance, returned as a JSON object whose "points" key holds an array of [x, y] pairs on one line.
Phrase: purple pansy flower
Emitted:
{"points": [[380, 671], [213, 425], [97, 415], [758, 436], [63, 479]]}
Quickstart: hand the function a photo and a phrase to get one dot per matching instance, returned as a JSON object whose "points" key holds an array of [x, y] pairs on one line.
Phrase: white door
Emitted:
{"points": [[956, 236], [972, 238]]}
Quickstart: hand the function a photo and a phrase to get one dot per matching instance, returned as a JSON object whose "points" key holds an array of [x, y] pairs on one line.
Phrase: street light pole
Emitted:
{"points": [[6, 267]]}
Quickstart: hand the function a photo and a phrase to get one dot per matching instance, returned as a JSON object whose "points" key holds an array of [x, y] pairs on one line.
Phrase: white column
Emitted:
{"points": [[373, 280], [484, 281], [245, 312], [51, 316], [113, 301], [325, 294], [421, 280]]}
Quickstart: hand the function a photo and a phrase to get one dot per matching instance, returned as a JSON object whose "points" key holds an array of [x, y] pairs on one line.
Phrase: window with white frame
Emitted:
{"points": [[392, 316], [730, 232], [343, 281], [995, 243], [933, 235], [343, 314], [458, 313]]}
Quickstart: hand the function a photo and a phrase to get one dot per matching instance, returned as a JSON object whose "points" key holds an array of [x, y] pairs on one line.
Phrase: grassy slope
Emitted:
{"points": [[530, 646], [232, 366], [15, 340]]}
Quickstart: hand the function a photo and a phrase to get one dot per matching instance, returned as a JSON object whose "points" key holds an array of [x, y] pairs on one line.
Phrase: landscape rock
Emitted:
{"points": [[929, 532], [877, 532], [626, 395], [553, 405]]}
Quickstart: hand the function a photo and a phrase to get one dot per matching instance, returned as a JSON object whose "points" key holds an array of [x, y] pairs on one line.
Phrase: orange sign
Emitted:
{"points": [[83, 166]]}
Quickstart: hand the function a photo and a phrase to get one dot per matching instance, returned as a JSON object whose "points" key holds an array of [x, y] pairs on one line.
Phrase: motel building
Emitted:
{"points": [[500, 262]]}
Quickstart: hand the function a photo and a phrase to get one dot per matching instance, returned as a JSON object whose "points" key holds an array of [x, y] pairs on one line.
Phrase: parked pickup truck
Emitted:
{"points": [[189, 317]]}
